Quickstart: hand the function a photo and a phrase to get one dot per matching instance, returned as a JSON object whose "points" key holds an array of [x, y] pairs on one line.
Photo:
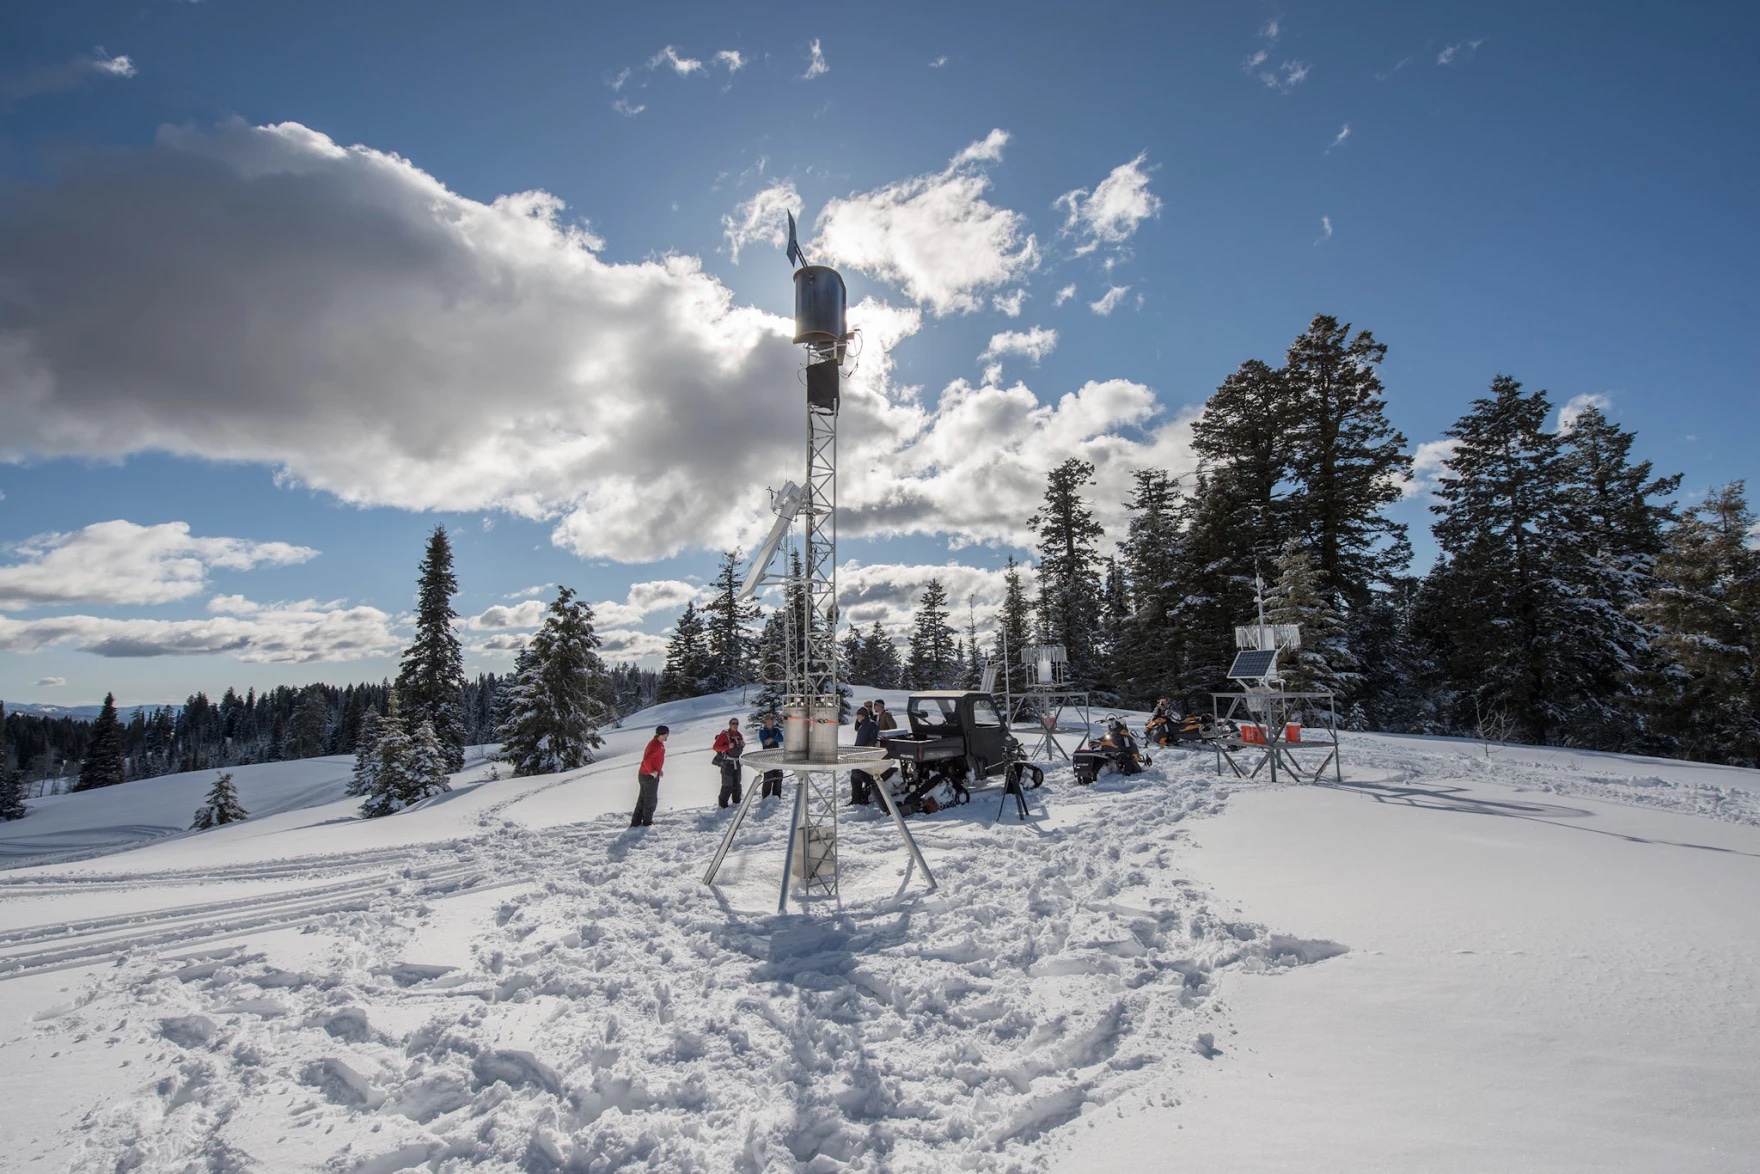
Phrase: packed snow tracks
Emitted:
{"points": [[608, 1012]]}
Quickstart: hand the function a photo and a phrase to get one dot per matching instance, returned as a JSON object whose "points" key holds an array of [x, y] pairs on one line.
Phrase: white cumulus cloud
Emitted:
{"points": [[1033, 344], [1115, 209], [264, 294], [299, 633], [935, 236], [1429, 462], [816, 65], [1109, 300], [119, 562], [763, 219], [681, 65]]}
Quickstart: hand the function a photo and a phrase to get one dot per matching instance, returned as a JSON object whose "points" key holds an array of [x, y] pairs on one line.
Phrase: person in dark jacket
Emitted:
{"points": [[648, 779], [861, 783], [729, 745], [770, 738]]}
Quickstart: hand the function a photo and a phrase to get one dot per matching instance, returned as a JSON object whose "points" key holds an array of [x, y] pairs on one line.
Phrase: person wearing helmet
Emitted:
{"points": [[1162, 723]]}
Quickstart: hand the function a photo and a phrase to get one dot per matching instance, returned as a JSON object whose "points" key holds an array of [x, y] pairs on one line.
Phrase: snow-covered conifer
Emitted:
{"points": [[431, 680], [559, 693], [1069, 566], [222, 805], [933, 664], [687, 669], [104, 764], [366, 754], [1324, 661]]}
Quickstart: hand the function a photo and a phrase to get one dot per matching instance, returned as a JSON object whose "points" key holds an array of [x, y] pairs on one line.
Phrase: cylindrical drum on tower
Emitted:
{"points": [[822, 735], [819, 303], [795, 737]]}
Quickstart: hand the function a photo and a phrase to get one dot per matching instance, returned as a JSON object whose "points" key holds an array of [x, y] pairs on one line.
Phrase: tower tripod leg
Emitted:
{"points": [[891, 805], [794, 830], [727, 840]]}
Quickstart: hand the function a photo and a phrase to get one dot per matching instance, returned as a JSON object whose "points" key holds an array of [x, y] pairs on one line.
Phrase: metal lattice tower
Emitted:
{"points": [[811, 700], [819, 507]]}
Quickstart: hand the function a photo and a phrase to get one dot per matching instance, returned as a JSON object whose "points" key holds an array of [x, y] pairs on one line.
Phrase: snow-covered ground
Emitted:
{"points": [[1527, 960]]}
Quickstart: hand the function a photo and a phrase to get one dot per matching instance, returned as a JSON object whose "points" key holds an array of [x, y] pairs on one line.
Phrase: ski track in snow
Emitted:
{"points": [[617, 1015]]}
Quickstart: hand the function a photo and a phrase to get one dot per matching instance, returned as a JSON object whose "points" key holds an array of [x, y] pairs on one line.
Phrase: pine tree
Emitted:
{"points": [[1324, 661], [932, 661], [1069, 567], [1705, 608], [728, 639], [559, 693], [1013, 628], [851, 652], [392, 780], [222, 805], [1614, 533], [1244, 432], [310, 726], [104, 764], [366, 754], [11, 793], [687, 669], [772, 665], [431, 682], [1504, 599], [1147, 657], [1347, 459], [880, 655], [11, 777]]}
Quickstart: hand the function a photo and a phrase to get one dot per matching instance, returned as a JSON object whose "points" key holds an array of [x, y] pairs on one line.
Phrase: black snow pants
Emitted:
{"points": [[730, 789], [771, 785], [647, 797]]}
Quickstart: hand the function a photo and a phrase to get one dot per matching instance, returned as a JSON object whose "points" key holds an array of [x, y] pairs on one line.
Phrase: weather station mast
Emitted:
{"points": [[811, 752]]}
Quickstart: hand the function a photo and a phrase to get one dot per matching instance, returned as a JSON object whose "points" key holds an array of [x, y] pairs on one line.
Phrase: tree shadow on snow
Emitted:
{"points": [[1441, 798]]}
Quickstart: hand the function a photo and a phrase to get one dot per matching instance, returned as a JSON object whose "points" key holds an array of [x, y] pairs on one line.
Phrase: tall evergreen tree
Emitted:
{"points": [[1705, 607], [1347, 459], [12, 804], [559, 693], [852, 658], [1148, 659], [933, 664], [11, 777], [881, 657], [1243, 435], [310, 725], [104, 764], [773, 662], [727, 636], [688, 666], [1324, 660], [1521, 638], [222, 805], [1013, 627], [366, 753], [1069, 567], [431, 683]]}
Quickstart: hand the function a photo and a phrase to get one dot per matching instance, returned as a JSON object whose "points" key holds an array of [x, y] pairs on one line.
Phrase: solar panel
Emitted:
{"points": [[1253, 664]]}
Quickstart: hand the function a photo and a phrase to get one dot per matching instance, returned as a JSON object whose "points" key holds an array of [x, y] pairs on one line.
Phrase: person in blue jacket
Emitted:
{"points": [[770, 738], [861, 783]]}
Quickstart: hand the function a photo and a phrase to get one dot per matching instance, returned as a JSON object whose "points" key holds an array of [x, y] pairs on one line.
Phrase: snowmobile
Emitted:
{"points": [[1116, 749], [1174, 729]]}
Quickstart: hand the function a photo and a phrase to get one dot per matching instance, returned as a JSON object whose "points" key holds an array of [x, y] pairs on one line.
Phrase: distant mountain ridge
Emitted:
{"points": [[84, 713]]}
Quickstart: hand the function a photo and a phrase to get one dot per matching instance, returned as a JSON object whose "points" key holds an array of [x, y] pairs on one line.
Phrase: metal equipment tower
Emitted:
{"points": [[811, 700]]}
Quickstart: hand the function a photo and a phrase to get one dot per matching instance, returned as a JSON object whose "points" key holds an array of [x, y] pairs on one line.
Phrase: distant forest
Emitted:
{"points": [[280, 723]]}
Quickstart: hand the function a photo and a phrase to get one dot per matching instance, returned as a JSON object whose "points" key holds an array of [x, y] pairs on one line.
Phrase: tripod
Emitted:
{"points": [[1012, 786]]}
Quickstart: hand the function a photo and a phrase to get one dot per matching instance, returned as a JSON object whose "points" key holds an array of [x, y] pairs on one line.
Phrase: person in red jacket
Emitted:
{"points": [[648, 778], [729, 745]]}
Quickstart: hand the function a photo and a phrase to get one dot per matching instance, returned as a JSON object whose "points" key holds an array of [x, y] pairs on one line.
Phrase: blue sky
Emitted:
{"points": [[272, 302]]}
